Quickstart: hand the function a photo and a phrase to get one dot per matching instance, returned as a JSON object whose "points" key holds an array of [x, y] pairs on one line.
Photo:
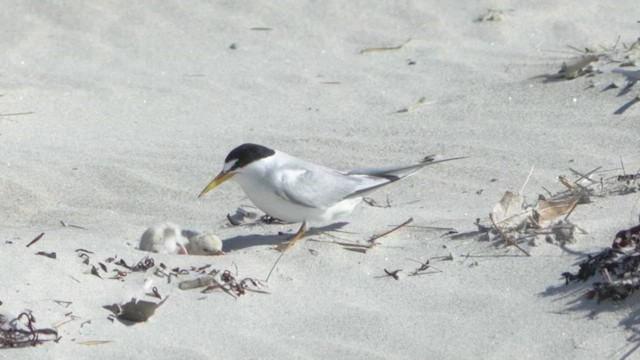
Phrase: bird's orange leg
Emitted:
{"points": [[286, 246]]}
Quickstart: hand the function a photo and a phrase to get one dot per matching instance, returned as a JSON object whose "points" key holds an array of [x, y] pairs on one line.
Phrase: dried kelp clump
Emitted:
{"points": [[619, 266], [22, 332]]}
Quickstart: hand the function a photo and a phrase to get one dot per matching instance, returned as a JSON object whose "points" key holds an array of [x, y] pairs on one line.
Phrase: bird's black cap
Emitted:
{"points": [[245, 154]]}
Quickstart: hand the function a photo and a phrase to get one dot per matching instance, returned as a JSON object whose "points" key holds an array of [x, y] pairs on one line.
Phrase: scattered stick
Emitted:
{"points": [[95, 342], [526, 181], [16, 114], [355, 247], [506, 238], [372, 241], [393, 274], [64, 224], [424, 266], [64, 303], [585, 176], [573, 207], [384, 48], [434, 228], [66, 321], [378, 236], [274, 266], [35, 240]]}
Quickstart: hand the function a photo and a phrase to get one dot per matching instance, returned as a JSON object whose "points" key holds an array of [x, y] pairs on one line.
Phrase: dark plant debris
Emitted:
{"points": [[225, 281], [50, 255], [619, 266], [22, 332], [393, 274], [35, 240], [422, 270], [143, 265]]}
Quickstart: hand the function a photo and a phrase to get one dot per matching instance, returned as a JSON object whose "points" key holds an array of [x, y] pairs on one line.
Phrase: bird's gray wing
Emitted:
{"points": [[394, 173], [391, 174], [318, 187]]}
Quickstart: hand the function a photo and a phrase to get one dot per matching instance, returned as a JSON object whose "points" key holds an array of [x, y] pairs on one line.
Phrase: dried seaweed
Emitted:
{"points": [[22, 332], [143, 265], [619, 265]]}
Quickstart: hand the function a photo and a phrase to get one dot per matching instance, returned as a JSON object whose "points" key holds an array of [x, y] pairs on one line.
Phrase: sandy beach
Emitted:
{"points": [[115, 115]]}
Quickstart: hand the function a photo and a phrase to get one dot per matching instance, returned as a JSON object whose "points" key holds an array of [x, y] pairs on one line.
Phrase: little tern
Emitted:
{"points": [[298, 191]]}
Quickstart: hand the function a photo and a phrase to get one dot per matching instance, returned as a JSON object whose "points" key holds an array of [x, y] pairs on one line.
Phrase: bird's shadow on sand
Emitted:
{"points": [[246, 241]]}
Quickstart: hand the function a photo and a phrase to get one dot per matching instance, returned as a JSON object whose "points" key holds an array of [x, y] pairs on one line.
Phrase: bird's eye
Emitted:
{"points": [[230, 165]]}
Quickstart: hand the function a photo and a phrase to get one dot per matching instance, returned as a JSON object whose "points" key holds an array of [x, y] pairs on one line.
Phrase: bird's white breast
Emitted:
{"points": [[262, 181]]}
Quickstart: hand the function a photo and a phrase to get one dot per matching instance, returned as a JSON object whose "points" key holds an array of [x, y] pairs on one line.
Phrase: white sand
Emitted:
{"points": [[135, 107]]}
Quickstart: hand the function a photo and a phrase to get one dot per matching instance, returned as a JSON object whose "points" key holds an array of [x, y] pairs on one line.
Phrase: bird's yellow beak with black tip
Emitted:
{"points": [[219, 179]]}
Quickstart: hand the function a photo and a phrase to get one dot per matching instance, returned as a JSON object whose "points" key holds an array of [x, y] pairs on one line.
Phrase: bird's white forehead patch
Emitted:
{"points": [[229, 164]]}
